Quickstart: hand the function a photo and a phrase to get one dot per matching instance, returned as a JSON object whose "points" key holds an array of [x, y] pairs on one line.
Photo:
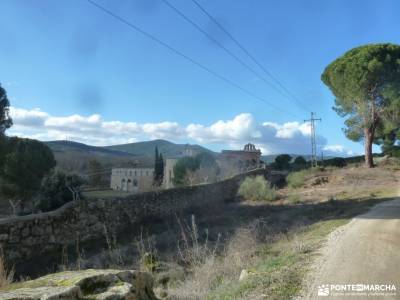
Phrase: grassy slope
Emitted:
{"points": [[278, 266]]}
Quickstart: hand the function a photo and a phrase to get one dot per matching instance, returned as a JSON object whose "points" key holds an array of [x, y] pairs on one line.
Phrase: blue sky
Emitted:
{"points": [[71, 71]]}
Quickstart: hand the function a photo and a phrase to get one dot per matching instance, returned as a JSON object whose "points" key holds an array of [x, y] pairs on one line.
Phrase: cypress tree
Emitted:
{"points": [[158, 168]]}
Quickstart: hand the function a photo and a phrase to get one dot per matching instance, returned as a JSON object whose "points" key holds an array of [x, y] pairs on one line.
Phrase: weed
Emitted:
{"points": [[147, 253], [294, 198], [6, 274], [297, 179]]}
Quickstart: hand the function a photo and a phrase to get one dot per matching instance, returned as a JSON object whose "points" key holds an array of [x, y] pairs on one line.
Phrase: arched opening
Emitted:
{"points": [[135, 185], [123, 184]]}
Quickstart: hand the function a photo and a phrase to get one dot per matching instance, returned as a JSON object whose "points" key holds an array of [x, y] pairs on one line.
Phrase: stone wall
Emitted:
{"points": [[37, 240]]}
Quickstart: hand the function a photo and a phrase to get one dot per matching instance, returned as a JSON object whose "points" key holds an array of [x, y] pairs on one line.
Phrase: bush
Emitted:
{"points": [[339, 162], [296, 179], [58, 189], [257, 189], [294, 198], [299, 163], [282, 162]]}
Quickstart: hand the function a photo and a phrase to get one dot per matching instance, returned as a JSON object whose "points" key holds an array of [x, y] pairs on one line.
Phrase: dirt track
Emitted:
{"points": [[365, 251]]}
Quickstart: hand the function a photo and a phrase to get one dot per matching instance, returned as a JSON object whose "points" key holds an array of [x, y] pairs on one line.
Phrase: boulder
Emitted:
{"points": [[85, 284]]}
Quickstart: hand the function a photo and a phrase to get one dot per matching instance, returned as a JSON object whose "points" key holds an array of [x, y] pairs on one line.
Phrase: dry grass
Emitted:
{"points": [[6, 274], [272, 241], [275, 260], [343, 183], [192, 251], [210, 270], [147, 252]]}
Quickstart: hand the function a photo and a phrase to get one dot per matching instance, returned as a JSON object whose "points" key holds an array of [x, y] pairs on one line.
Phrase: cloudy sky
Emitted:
{"points": [[270, 137], [73, 72]]}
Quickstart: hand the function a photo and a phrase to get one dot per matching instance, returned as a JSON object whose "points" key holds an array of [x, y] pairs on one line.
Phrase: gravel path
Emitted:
{"points": [[364, 252]]}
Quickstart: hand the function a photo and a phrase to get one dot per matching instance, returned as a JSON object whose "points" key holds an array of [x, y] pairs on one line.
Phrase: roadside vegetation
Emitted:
{"points": [[257, 189], [6, 273], [297, 179], [270, 255], [251, 249]]}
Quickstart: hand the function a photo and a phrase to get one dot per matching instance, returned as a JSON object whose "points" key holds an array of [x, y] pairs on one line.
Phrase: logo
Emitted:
{"points": [[358, 289], [323, 290]]}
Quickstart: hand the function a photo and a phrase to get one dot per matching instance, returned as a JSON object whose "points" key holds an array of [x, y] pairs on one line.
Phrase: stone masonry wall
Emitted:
{"points": [[26, 238]]}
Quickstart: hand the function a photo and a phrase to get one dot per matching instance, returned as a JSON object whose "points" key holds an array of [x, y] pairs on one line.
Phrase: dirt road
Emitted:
{"points": [[362, 253]]}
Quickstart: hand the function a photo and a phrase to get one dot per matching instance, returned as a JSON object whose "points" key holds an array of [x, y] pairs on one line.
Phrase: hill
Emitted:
{"points": [[74, 157], [62, 146], [168, 149]]}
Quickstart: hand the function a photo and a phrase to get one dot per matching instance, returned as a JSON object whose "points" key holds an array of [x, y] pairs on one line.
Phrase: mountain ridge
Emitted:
{"points": [[74, 156]]}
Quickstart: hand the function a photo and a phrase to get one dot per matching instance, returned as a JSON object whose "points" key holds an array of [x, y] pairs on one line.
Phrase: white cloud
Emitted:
{"points": [[28, 118], [242, 127], [338, 150], [270, 137], [289, 129], [162, 130]]}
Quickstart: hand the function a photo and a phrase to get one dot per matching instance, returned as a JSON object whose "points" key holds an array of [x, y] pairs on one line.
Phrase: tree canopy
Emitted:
{"points": [[299, 163], [5, 119], [95, 177], [26, 163], [365, 82], [56, 190], [200, 168], [182, 167], [282, 161]]}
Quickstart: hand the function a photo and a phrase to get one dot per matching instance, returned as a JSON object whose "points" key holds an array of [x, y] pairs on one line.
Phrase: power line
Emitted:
{"points": [[229, 52], [277, 81], [179, 53]]}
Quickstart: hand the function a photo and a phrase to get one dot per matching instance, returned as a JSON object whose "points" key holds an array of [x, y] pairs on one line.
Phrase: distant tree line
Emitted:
{"points": [[285, 162]]}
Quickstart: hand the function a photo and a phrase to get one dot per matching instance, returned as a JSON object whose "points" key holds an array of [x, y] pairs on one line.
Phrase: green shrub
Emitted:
{"points": [[339, 162], [57, 189], [296, 179], [294, 198], [257, 189]]}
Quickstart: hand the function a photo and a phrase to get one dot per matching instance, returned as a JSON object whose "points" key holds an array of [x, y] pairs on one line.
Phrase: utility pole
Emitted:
{"points": [[312, 120], [322, 158]]}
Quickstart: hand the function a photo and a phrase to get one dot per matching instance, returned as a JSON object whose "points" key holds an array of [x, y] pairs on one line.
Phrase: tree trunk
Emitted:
{"points": [[368, 138]]}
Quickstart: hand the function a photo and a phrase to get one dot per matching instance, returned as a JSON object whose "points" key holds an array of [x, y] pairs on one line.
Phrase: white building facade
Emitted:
{"points": [[168, 180], [132, 179]]}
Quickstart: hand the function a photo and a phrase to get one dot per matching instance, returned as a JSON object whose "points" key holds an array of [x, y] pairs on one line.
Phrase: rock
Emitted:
{"points": [[320, 180], [243, 275], [86, 284]]}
